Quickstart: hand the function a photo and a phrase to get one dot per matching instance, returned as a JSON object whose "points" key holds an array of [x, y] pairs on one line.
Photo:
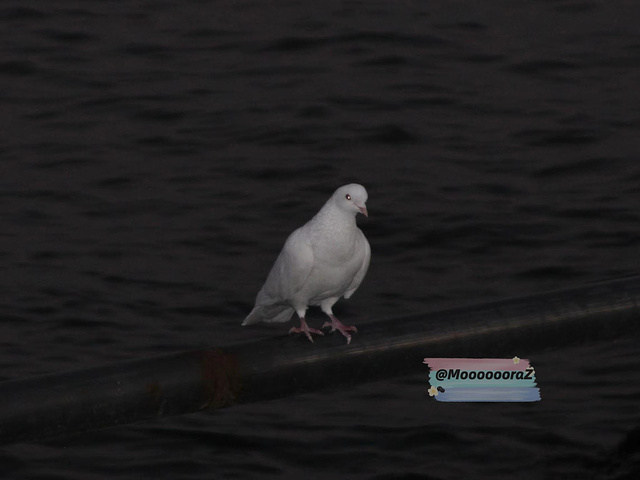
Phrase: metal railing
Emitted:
{"points": [[57, 404]]}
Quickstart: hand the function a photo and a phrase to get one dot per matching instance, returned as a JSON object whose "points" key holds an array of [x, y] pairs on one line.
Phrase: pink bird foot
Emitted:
{"points": [[336, 324], [304, 328]]}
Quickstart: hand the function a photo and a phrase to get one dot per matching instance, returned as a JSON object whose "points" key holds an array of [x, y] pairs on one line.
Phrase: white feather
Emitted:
{"points": [[323, 260]]}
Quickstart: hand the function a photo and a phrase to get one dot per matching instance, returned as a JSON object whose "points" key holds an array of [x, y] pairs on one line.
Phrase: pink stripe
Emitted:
{"points": [[477, 363]]}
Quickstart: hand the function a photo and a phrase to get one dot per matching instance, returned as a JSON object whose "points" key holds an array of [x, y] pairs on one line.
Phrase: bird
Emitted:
{"points": [[325, 259]]}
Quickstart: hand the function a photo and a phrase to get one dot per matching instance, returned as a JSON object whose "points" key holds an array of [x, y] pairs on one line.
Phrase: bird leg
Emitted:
{"points": [[336, 324], [304, 328]]}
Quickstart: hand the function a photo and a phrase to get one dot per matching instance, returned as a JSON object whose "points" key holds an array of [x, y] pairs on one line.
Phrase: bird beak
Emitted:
{"points": [[364, 211]]}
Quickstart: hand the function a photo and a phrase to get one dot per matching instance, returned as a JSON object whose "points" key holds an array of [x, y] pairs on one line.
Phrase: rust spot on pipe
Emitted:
{"points": [[154, 388], [221, 378]]}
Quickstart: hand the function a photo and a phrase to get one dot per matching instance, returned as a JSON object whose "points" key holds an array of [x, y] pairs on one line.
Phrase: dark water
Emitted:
{"points": [[155, 155]]}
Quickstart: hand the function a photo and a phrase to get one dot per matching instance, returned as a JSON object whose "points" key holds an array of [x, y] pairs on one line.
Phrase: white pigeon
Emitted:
{"points": [[320, 262]]}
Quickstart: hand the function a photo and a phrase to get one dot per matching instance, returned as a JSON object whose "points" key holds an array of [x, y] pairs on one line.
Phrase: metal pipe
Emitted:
{"points": [[58, 404]]}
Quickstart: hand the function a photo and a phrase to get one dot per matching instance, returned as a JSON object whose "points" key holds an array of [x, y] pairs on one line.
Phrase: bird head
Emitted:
{"points": [[352, 198]]}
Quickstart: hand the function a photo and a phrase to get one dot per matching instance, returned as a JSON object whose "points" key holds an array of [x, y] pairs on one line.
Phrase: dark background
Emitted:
{"points": [[155, 155]]}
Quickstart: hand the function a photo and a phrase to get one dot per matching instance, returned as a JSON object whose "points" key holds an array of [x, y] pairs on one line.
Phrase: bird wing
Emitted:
{"points": [[291, 269], [357, 280]]}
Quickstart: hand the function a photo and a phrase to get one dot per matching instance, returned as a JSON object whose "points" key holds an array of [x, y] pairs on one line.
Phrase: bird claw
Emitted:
{"points": [[349, 328], [336, 324], [304, 328]]}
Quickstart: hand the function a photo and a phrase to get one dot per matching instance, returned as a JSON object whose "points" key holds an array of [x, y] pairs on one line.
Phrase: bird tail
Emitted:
{"points": [[269, 313]]}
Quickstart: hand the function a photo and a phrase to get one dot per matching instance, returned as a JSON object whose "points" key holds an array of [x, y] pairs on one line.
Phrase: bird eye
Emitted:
{"points": [[347, 196]]}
